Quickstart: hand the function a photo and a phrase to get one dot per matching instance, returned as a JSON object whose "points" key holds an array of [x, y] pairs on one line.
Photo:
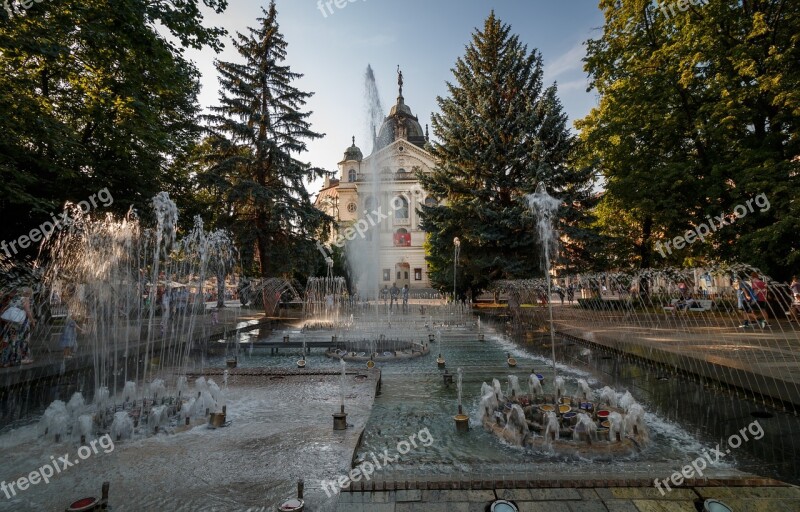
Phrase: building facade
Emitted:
{"points": [[376, 199]]}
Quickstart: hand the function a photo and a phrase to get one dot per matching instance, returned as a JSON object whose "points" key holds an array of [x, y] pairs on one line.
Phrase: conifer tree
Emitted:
{"points": [[500, 133], [259, 131]]}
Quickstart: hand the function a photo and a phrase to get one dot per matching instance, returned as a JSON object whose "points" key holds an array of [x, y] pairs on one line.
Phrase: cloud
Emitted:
{"points": [[567, 62]]}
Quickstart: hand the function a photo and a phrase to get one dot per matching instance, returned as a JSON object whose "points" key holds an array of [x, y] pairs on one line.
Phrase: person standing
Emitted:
{"points": [[394, 293], [16, 334], [69, 337], [405, 297], [760, 289]]}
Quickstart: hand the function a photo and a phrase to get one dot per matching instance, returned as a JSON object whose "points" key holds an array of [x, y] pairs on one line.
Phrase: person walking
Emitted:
{"points": [[760, 289], [746, 300]]}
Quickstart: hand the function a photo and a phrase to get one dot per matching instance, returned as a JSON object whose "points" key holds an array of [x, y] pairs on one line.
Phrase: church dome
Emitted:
{"points": [[400, 124], [353, 153]]}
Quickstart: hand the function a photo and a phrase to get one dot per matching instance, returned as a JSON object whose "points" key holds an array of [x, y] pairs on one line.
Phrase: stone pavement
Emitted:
{"points": [[762, 363], [742, 495]]}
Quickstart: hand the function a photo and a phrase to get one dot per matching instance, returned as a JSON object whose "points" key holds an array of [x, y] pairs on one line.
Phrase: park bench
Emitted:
{"points": [[699, 305]]}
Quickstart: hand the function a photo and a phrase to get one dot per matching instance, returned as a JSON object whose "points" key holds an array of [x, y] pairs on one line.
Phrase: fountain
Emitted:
{"points": [[545, 207]]}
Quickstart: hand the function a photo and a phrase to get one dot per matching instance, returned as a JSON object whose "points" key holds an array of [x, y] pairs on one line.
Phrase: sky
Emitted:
{"points": [[425, 37]]}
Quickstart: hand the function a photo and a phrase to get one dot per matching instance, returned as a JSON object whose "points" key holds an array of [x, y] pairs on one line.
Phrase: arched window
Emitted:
{"points": [[400, 205], [351, 175], [370, 204], [401, 170], [429, 201]]}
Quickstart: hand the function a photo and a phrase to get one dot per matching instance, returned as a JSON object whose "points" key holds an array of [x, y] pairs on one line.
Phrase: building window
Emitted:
{"points": [[402, 238], [387, 274], [370, 204], [417, 274], [400, 204], [431, 202], [401, 170], [351, 175], [352, 207], [398, 275]]}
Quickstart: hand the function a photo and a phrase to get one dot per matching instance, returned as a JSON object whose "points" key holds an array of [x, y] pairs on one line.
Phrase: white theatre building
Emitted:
{"points": [[400, 149]]}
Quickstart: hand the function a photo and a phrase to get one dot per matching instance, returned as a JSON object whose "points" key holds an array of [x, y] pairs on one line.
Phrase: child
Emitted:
{"points": [[69, 337]]}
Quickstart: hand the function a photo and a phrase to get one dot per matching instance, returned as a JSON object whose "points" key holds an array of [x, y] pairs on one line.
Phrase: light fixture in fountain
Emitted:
{"points": [[301, 363], [340, 418], [231, 362], [462, 420], [440, 361], [295, 504], [87, 504], [511, 361]]}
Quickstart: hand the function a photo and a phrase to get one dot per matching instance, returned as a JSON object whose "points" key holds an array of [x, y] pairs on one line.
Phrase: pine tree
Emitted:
{"points": [[501, 133], [259, 128]]}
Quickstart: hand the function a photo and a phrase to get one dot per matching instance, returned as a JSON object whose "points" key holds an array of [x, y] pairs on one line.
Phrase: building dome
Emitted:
{"points": [[400, 124], [353, 153]]}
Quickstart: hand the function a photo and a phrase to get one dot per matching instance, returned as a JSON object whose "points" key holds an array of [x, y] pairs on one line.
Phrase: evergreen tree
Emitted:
{"points": [[259, 129], [501, 133]]}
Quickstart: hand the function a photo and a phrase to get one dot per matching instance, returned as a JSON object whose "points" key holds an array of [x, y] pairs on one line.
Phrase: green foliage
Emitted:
{"points": [[699, 113], [501, 134], [251, 166], [92, 96]]}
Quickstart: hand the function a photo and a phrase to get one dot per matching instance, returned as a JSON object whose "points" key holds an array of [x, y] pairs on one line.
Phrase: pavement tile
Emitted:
{"points": [[543, 506], [587, 506], [620, 506], [749, 492], [762, 505], [629, 493], [555, 494], [377, 497], [403, 496], [666, 506], [514, 494], [588, 494], [478, 496]]}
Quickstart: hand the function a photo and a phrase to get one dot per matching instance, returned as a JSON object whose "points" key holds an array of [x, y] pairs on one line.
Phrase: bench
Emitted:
{"points": [[701, 305]]}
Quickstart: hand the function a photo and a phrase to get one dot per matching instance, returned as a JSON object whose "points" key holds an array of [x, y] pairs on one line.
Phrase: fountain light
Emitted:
{"points": [[340, 418]]}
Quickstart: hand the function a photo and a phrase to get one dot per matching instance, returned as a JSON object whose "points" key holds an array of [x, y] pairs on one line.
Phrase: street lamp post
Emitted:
{"points": [[457, 251]]}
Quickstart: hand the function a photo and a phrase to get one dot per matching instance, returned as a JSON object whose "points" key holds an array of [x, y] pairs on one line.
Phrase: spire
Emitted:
{"points": [[426, 133], [354, 140]]}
